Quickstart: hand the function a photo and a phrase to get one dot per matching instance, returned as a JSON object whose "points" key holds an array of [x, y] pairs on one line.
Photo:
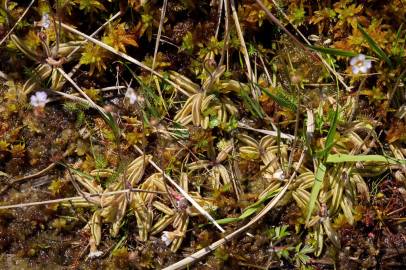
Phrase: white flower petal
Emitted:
{"points": [[355, 69], [279, 174], [42, 96], [130, 94], [95, 254], [363, 69], [133, 99], [368, 64], [39, 99], [353, 60], [360, 64], [166, 238], [34, 101], [45, 21]]}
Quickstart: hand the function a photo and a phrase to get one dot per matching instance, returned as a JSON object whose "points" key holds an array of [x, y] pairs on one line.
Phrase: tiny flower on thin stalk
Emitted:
{"points": [[168, 237], [130, 95], [132, 98], [38, 101], [279, 174], [45, 21], [359, 64], [94, 254]]}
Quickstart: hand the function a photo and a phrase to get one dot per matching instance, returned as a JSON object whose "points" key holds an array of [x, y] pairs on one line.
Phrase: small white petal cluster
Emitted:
{"points": [[279, 174], [39, 99], [359, 64], [167, 237], [45, 21], [95, 254], [130, 95]]}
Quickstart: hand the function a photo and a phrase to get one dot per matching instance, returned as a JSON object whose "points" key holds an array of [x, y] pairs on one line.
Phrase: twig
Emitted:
{"points": [[19, 19], [244, 47], [226, 32], [82, 93], [34, 175], [355, 101], [74, 97], [268, 76], [278, 23], [77, 66], [183, 192], [125, 56], [20, 205], [220, 10], [37, 174], [4, 76], [392, 92], [158, 37], [201, 253], [92, 35], [267, 132]]}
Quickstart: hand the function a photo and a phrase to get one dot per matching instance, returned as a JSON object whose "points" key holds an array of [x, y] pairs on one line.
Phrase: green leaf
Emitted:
{"points": [[227, 220], [111, 122], [340, 158], [180, 132], [374, 46], [281, 232], [321, 171], [264, 198], [249, 210], [214, 122], [333, 51], [330, 136], [253, 106]]}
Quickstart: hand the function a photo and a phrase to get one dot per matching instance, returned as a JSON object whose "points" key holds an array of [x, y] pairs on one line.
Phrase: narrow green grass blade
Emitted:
{"points": [[281, 99], [330, 136], [227, 220], [248, 212], [108, 117], [253, 106], [333, 51], [321, 171], [264, 198], [340, 158], [374, 46], [250, 209], [80, 173]]}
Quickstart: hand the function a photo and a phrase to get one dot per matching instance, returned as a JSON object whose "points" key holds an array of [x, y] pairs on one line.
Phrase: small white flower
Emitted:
{"points": [[360, 64], [94, 254], [39, 99], [130, 94], [167, 237], [46, 22], [279, 174]]}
